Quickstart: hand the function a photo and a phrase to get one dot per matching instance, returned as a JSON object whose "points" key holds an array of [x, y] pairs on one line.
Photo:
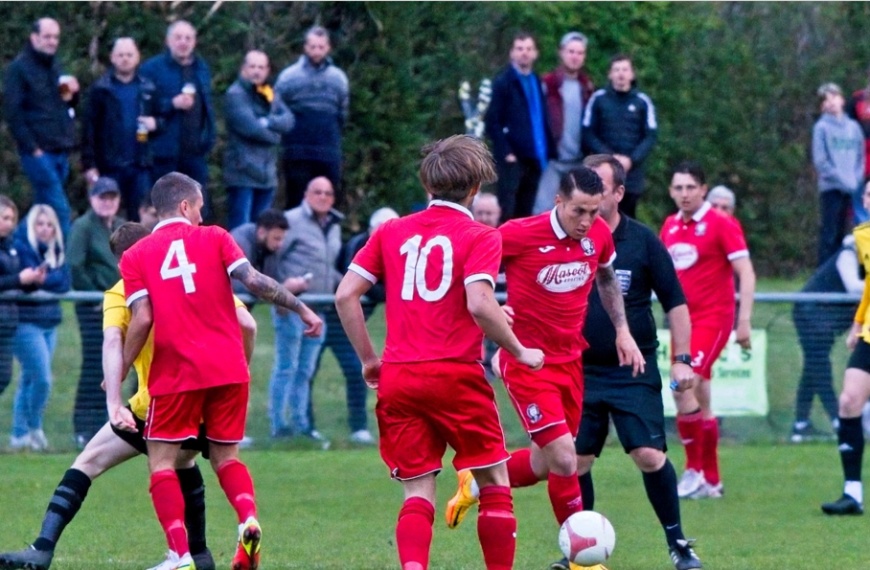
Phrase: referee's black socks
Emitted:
{"points": [[661, 489]]}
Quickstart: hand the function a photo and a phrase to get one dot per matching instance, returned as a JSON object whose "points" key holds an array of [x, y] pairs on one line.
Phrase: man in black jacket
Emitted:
{"points": [[38, 106], [517, 124], [621, 120], [117, 125]]}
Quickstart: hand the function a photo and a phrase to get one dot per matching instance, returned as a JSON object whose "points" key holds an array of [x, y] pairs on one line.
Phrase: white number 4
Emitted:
{"points": [[183, 268]]}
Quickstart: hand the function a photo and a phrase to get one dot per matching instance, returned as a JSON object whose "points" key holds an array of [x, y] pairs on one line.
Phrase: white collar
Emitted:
{"points": [[167, 221], [454, 205], [557, 227]]}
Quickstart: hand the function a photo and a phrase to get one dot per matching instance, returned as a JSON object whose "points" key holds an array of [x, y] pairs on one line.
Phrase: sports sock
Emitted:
{"points": [[851, 440], [564, 491], [235, 480], [587, 490], [414, 533], [68, 497], [689, 426], [169, 506], [519, 468], [497, 527], [661, 490], [193, 490], [710, 450]]}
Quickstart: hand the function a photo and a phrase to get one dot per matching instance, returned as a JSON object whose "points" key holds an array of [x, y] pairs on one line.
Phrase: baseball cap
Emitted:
{"points": [[829, 87], [573, 36], [104, 185]]}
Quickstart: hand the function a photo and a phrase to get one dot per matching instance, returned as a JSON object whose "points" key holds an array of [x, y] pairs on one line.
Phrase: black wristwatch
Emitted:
{"points": [[683, 359]]}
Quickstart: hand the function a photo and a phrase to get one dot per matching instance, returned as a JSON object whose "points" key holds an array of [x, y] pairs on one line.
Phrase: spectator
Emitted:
{"points": [[838, 157], [310, 251], [39, 105], [12, 277], [117, 126], [317, 93], [568, 89], [516, 122], [858, 108], [39, 242], [259, 241], [94, 268], [723, 199], [621, 120], [255, 122], [818, 326], [184, 109], [485, 209], [336, 337]]}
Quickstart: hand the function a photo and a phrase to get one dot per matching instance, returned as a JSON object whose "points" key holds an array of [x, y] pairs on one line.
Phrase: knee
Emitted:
{"points": [[850, 404], [648, 459], [584, 464]]}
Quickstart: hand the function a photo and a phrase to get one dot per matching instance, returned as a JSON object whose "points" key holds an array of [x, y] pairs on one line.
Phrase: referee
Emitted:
{"points": [[642, 266]]}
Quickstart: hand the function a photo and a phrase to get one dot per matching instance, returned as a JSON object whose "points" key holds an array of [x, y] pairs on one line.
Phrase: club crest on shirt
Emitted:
{"points": [[701, 229], [684, 255], [624, 278], [534, 413], [564, 277], [588, 246]]}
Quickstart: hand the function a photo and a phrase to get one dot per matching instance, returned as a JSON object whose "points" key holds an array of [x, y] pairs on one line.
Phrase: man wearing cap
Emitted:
{"points": [[567, 90], [94, 268], [838, 157]]}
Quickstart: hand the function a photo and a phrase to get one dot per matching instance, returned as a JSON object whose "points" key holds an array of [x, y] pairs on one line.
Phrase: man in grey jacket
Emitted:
{"points": [[256, 119], [310, 251], [838, 157]]}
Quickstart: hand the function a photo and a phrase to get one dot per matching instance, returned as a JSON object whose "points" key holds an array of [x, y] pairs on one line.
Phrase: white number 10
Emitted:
{"points": [[183, 268], [415, 268]]}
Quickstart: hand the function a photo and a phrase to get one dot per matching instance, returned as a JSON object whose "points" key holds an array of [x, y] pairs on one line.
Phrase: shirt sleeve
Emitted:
{"points": [[368, 263], [663, 276], [511, 239], [115, 311], [608, 249], [131, 273], [484, 259], [231, 254], [733, 240]]}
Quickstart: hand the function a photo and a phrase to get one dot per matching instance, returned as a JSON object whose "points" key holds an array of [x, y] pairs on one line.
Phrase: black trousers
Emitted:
{"points": [[517, 187], [89, 413], [298, 173]]}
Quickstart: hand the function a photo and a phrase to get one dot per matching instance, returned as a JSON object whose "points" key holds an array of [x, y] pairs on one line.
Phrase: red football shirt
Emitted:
{"points": [[425, 261], [184, 271], [702, 250], [549, 276]]}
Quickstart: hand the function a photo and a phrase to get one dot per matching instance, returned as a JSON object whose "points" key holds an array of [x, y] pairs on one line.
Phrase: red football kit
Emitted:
{"points": [[432, 389], [702, 250], [549, 277], [184, 271]]}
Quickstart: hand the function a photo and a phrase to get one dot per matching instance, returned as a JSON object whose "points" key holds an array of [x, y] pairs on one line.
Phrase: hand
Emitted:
{"points": [[183, 102], [682, 377], [743, 335], [629, 353], [624, 161], [495, 364], [72, 84], [508, 314], [122, 418], [296, 285], [29, 276], [531, 357], [510, 158], [852, 339], [371, 371], [310, 318], [37, 152], [149, 122]]}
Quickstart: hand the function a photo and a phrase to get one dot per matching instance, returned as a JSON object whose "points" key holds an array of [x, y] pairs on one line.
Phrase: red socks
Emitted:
{"points": [[169, 506], [710, 452], [414, 533], [519, 468], [564, 494], [238, 486], [497, 527], [690, 427]]}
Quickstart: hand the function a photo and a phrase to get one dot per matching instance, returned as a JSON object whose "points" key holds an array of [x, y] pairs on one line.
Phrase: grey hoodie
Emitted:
{"points": [[838, 153]]}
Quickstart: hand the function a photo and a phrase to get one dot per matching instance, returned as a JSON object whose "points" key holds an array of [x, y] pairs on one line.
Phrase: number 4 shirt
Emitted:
{"points": [[425, 260], [184, 271]]}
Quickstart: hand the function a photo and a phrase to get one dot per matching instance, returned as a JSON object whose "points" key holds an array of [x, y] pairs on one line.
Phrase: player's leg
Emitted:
{"points": [[496, 523], [166, 495], [414, 524], [690, 423], [193, 491], [594, 427]]}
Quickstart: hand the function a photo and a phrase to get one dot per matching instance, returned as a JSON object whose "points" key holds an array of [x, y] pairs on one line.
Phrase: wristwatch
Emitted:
{"points": [[683, 359]]}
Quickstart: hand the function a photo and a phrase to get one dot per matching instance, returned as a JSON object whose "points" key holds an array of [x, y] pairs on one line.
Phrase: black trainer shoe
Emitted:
{"points": [[204, 560], [27, 559], [560, 565], [845, 505], [682, 555]]}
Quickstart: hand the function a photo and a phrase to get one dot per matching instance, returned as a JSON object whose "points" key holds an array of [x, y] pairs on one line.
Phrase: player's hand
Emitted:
{"points": [[531, 357], [313, 322], [629, 353], [371, 372], [744, 331], [852, 338], [682, 377], [495, 364], [122, 419], [508, 314]]}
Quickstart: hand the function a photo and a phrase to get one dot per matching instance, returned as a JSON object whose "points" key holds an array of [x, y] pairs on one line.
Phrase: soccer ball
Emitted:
{"points": [[587, 538]]}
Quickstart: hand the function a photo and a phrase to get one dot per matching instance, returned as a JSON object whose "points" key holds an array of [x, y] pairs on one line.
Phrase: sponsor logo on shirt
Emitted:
{"points": [[588, 246], [534, 413], [547, 248], [564, 277], [685, 255]]}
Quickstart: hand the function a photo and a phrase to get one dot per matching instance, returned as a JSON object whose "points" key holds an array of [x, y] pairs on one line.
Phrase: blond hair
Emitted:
{"points": [[54, 252]]}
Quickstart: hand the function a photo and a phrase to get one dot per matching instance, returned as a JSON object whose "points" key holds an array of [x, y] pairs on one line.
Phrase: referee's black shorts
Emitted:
{"points": [[634, 404], [137, 440], [860, 358]]}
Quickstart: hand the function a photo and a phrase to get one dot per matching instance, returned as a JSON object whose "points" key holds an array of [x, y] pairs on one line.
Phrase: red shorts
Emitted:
{"points": [[548, 401], [176, 417], [708, 340], [424, 407]]}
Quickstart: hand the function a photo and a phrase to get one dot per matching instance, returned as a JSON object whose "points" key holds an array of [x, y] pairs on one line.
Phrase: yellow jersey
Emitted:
{"points": [[862, 247], [116, 314]]}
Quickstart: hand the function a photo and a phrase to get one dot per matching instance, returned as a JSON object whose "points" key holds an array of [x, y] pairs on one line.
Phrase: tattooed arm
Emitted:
{"points": [[611, 299]]}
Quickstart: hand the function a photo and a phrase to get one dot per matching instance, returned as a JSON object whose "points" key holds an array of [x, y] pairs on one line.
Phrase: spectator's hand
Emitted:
{"points": [[743, 335], [629, 353], [149, 122], [531, 357], [510, 158], [72, 85], [508, 314], [91, 175], [682, 377], [122, 419], [37, 152], [296, 285], [624, 161], [29, 276], [852, 339], [371, 371], [310, 318], [183, 102]]}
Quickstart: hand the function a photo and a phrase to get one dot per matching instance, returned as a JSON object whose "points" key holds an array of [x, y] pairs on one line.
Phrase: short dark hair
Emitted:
{"points": [[523, 35], [620, 57], [6, 202], [596, 160], [582, 179], [691, 168], [171, 190], [453, 166], [318, 31], [271, 219], [126, 236]]}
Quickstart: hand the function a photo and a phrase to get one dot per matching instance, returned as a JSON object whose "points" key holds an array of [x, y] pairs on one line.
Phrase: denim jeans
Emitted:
{"points": [[47, 174], [290, 384], [245, 204], [34, 348]]}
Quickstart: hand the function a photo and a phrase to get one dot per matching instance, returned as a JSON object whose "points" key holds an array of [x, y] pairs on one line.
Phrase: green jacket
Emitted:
{"points": [[93, 266]]}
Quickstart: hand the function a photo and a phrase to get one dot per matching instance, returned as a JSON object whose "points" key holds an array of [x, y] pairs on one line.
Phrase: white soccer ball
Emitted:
{"points": [[587, 538]]}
